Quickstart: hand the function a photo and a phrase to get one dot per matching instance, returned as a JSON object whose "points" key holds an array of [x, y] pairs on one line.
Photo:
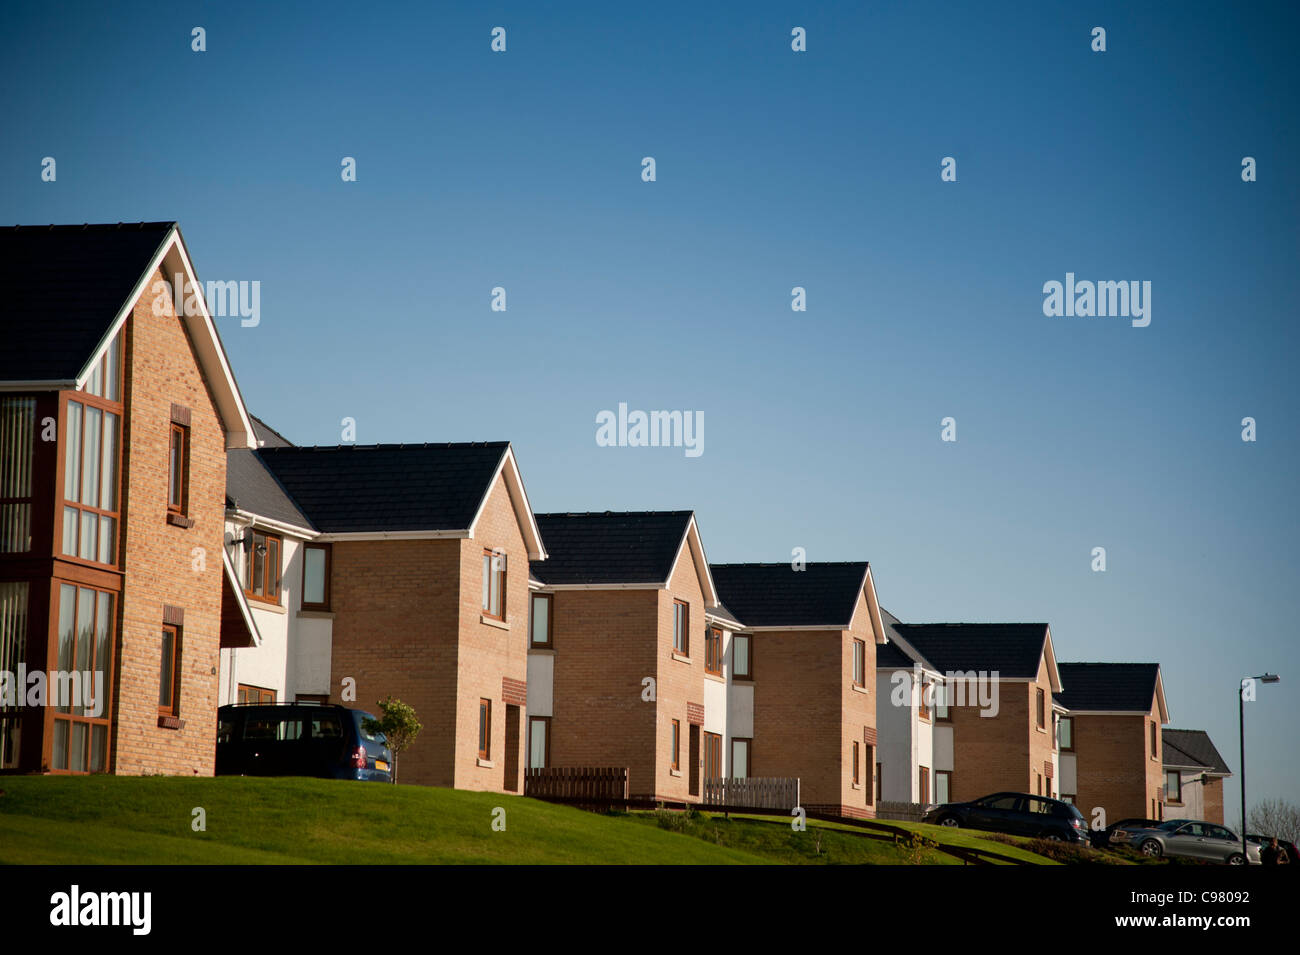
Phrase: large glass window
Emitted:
{"points": [[17, 450], [1065, 733], [539, 623], [90, 466], [740, 657], [263, 562], [81, 690], [539, 742], [13, 641]]}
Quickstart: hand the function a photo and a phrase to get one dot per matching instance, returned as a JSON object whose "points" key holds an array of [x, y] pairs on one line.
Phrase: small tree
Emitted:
{"points": [[1276, 817], [398, 724]]}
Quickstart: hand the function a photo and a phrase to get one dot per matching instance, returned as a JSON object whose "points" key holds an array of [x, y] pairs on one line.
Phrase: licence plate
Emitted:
{"points": [[380, 764]]}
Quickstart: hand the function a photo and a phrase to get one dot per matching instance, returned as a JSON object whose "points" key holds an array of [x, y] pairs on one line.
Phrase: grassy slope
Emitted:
{"points": [[109, 819]]}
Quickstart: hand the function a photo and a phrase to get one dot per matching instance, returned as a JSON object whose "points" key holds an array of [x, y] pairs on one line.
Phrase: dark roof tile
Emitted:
{"points": [[1012, 649], [777, 595], [610, 547], [1119, 687]]}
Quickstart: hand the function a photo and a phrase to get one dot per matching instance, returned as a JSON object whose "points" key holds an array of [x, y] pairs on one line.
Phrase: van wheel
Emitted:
{"points": [[1152, 848]]}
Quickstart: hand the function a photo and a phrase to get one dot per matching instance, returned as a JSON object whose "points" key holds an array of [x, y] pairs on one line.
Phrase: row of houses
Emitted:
{"points": [[155, 534]]}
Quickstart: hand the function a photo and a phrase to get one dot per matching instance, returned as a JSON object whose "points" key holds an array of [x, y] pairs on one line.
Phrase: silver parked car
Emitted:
{"points": [[1192, 839]]}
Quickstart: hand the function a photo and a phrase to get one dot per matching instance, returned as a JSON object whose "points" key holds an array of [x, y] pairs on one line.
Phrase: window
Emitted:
{"points": [[681, 623], [85, 645], [17, 451], [13, 640], [941, 712], [880, 775], [494, 584], [713, 651], [484, 729], [1174, 787], [1068, 797], [859, 663], [1155, 740], [740, 748], [942, 786], [677, 744], [539, 622], [1065, 733], [257, 694], [169, 672], [923, 784], [740, 657], [316, 560], [1038, 779], [274, 729], [90, 472], [178, 469], [1042, 709], [539, 742], [857, 767], [712, 756], [927, 689], [262, 579]]}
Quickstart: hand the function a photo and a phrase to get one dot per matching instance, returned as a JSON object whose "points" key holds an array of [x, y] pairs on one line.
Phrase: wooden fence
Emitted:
{"points": [[581, 784], [753, 793], [900, 811]]}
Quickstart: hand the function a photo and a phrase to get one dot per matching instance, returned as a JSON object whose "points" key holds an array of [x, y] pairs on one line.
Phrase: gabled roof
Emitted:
{"points": [[1013, 650], [821, 596], [252, 488], [412, 490], [898, 653], [1111, 688], [268, 437], [619, 549], [1192, 749], [70, 289], [63, 287]]}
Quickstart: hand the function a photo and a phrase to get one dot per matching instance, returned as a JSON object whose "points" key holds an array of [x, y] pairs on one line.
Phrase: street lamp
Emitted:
{"points": [[1241, 729]]}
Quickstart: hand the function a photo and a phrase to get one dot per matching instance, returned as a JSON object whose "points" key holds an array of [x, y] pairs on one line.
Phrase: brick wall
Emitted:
{"points": [[158, 558], [1111, 755]]}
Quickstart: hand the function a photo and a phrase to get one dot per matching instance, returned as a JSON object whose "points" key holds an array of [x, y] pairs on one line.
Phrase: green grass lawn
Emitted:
{"points": [[136, 820]]}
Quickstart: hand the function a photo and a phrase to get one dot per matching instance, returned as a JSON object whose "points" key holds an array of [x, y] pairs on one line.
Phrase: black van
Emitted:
{"points": [[300, 739]]}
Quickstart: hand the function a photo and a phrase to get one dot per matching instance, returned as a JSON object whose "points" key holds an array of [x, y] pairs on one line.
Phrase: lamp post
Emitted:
{"points": [[1241, 730]]}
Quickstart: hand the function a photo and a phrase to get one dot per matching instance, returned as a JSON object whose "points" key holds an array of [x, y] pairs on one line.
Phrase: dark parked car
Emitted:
{"points": [[300, 739], [1018, 814], [1117, 833], [1287, 848], [1194, 839]]}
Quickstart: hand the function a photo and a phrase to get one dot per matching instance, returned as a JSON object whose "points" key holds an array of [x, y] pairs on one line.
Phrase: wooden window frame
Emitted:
{"points": [[1041, 713], [182, 478], [549, 643], [107, 719], [749, 757], [713, 651], [676, 741], [880, 777], [485, 728], [1064, 748], [748, 675], [497, 580], [250, 554], [245, 690], [86, 400], [328, 550], [713, 742], [546, 756], [172, 707], [923, 708], [946, 774], [857, 765], [860, 663], [684, 631], [1155, 740], [923, 784], [1179, 786]]}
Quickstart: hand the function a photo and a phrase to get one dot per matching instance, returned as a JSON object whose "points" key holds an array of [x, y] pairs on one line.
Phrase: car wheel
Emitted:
{"points": [[1235, 859], [952, 822], [1052, 836], [1152, 848]]}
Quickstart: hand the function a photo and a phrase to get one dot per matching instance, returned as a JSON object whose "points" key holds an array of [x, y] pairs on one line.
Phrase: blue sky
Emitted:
{"points": [[774, 170]]}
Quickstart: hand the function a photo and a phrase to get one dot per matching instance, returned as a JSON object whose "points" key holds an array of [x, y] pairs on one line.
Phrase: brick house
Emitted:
{"points": [[810, 638], [999, 678], [629, 653], [421, 574], [115, 418], [1194, 775], [1110, 738], [913, 723]]}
